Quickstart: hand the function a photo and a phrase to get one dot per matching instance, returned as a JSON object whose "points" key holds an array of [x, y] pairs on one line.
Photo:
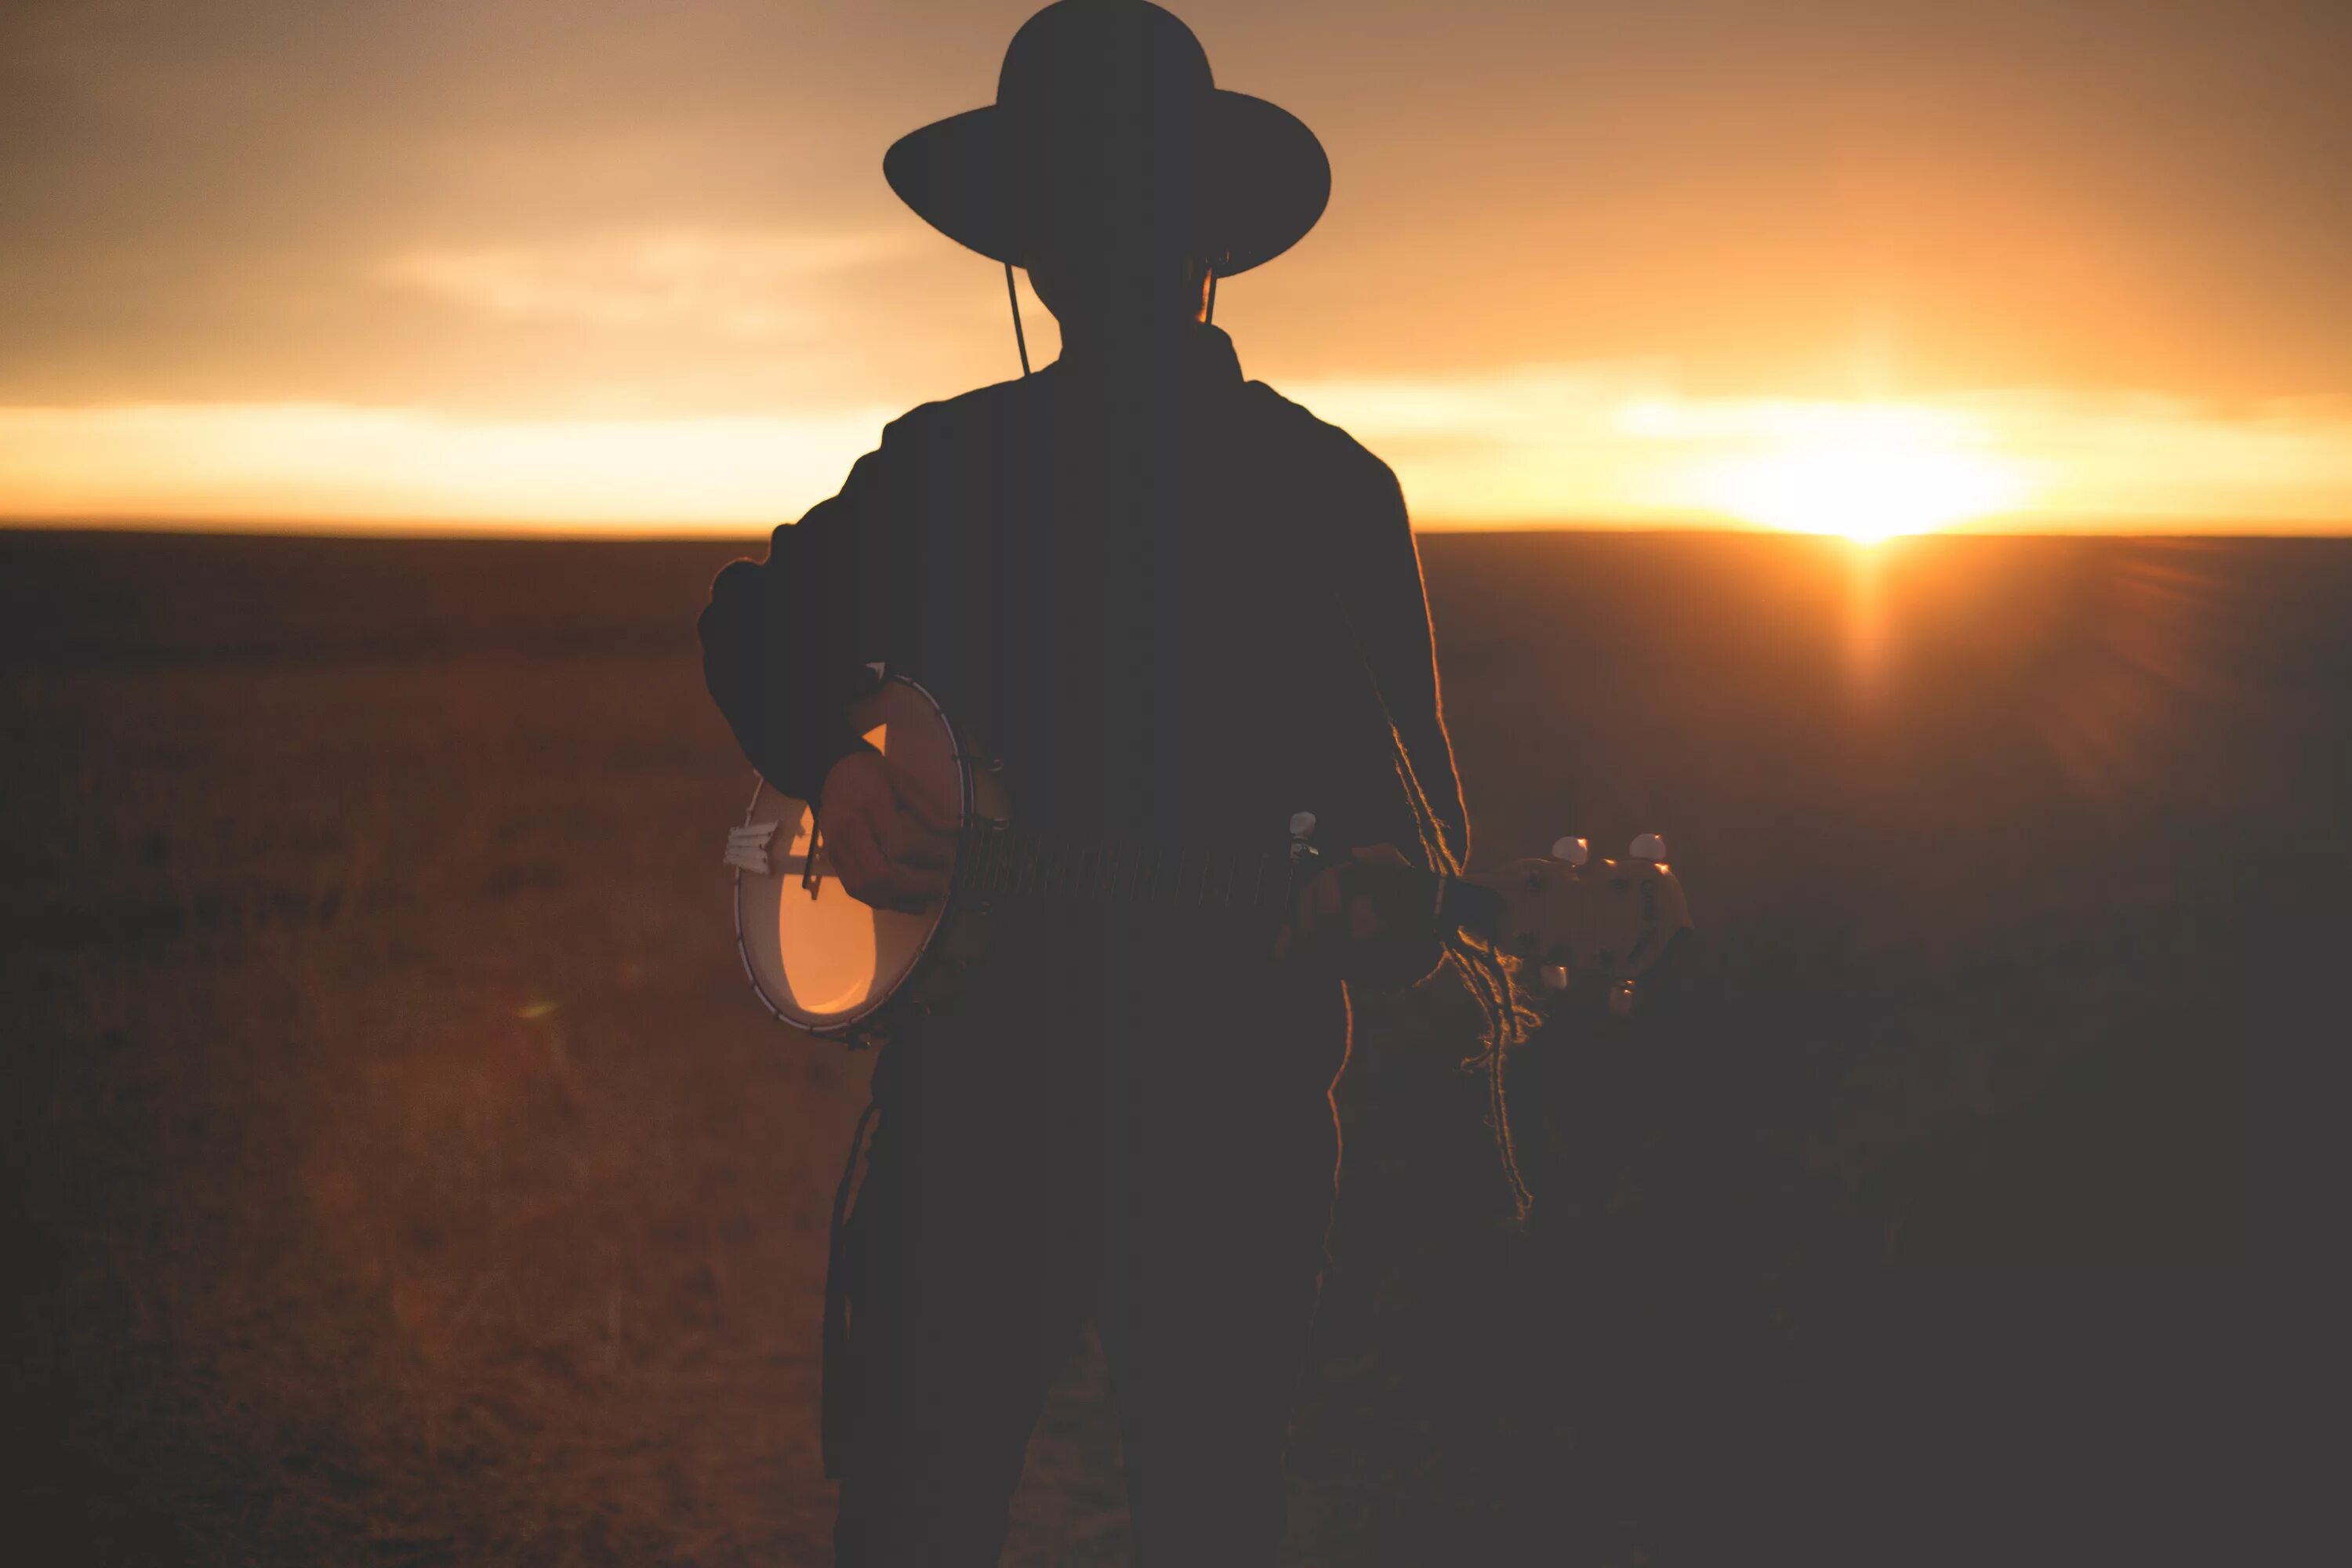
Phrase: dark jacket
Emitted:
{"points": [[1182, 610]]}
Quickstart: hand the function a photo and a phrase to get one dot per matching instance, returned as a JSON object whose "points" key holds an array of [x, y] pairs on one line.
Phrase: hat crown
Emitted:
{"points": [[1109, 127], [1097, 56]]}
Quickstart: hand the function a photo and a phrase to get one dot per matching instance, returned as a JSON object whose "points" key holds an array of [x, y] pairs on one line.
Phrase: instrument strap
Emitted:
{"points": [[832, 1384]]}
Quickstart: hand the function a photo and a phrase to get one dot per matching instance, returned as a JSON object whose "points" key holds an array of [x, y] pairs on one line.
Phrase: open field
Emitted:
{"points": [[400, 1171]]}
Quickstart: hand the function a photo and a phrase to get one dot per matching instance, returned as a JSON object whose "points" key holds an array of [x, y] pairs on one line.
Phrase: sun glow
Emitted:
{"points": [[1595, 446], [1867, 472]]}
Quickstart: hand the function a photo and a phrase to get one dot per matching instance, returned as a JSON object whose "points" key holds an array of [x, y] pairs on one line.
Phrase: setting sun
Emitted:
{"points": [[1868, 473]]}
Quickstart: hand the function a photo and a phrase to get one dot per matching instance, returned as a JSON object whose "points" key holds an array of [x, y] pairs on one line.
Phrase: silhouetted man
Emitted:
{"points": [[1179, 608]]}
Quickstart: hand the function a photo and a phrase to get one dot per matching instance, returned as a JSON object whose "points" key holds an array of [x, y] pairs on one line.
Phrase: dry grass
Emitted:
{"points": [[434, 1140], [403, 1174]]}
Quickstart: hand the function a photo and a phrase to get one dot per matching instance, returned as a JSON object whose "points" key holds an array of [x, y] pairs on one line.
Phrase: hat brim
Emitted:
{"points": [[1265, 182]]}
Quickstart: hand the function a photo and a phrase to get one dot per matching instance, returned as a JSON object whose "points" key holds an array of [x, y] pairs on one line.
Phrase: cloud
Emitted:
{"points": [[742, 286]]}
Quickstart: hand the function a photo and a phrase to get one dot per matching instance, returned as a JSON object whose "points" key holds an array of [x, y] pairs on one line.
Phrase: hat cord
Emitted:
{"points": [[1020, 338]]}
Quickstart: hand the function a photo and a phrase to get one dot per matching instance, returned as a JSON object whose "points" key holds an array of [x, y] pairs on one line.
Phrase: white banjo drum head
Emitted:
{"points": [[821, 960]]}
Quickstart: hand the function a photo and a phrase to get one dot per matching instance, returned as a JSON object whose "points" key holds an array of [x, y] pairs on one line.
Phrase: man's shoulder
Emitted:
{"points": [[1300, 429], [981, 408]]}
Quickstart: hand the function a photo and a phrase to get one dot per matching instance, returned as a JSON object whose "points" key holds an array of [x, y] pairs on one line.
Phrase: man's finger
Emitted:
{"points": [[1326, 892], [921, 884], [870, 875], [895, 892], [908, 843], [846, 845], [937, 819], [855, 857]]}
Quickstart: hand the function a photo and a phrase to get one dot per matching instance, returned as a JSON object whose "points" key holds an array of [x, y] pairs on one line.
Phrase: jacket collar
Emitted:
{"points": [[1209, 356]]}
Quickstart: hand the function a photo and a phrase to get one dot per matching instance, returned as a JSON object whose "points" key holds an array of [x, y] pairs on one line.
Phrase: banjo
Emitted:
{"points": [[826, 963]]}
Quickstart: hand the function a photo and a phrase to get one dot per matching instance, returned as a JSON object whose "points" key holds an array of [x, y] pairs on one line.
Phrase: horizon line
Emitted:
{"points": [[524, 531]]}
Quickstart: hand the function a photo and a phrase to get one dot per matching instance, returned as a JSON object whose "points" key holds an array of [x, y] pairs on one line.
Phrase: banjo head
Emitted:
{"points": [[821, 961]]}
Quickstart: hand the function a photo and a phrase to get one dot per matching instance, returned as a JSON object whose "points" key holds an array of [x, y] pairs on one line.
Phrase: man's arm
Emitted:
{"points": [[786, 648], [785, 641], [1387, 619], [1393, 619]]}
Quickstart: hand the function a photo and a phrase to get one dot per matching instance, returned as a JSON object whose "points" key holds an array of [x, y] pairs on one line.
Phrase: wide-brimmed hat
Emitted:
{"points": [[1108, 124]]}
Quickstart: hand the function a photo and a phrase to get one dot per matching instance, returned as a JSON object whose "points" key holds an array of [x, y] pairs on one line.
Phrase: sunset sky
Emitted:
{"points": [[1864, 266]]}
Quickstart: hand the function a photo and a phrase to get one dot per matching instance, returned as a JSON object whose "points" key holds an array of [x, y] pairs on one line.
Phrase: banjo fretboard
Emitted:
{"points": [[996, 862]]}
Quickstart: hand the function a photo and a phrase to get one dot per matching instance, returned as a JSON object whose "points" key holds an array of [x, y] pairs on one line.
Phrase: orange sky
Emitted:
{"points": [[594, 263]]}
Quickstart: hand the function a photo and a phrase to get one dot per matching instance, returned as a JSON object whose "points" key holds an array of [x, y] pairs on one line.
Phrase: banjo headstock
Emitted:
{"points": [[1570, 914]]}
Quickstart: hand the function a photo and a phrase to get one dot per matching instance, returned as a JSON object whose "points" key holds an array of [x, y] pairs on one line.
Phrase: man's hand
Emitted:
{"points": [[1326, 922], [890, 847]]}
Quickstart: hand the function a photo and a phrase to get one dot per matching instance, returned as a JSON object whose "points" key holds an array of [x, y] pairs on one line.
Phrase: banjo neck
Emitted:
{"points": [[999, 863]]}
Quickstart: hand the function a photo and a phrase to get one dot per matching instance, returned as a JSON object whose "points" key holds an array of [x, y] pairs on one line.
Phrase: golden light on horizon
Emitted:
{"points": [[1545, 446], [492, 270], [1868, 472]]}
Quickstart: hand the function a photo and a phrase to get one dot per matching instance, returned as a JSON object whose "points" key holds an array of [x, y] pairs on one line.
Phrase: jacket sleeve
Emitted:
{"points": [[786, 641], [1394, 624], [1390, 616]]}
